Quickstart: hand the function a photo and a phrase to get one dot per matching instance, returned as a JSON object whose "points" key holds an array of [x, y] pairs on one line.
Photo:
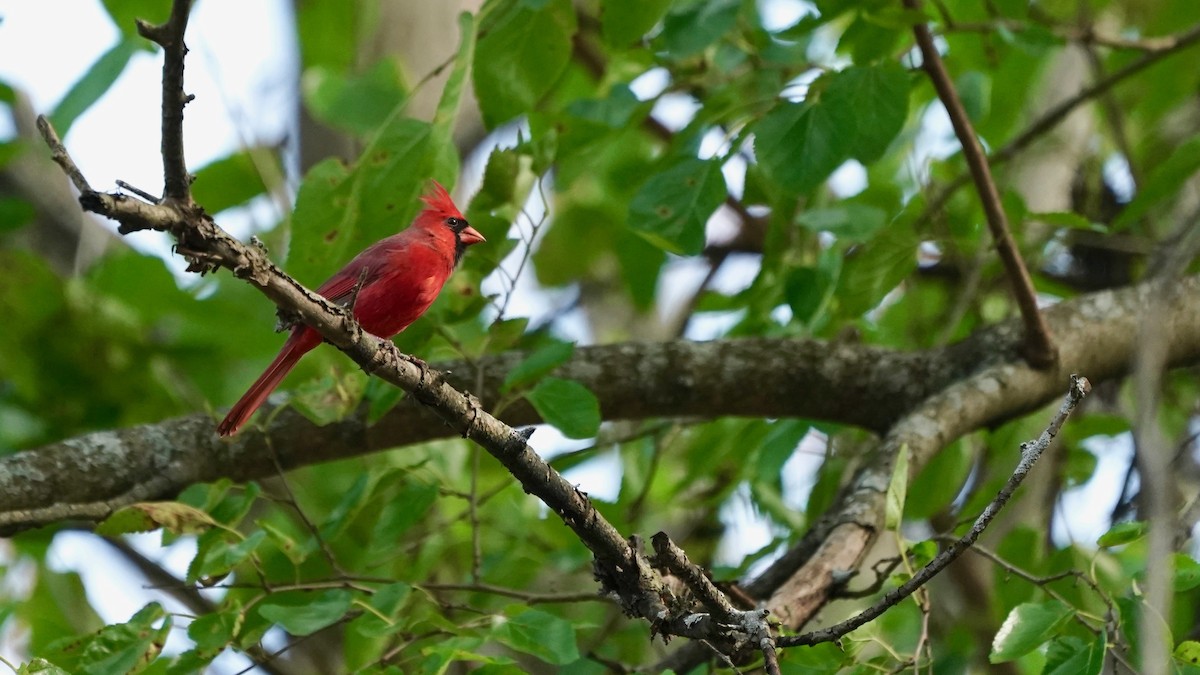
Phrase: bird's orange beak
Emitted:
{"points": [[469, 236]]}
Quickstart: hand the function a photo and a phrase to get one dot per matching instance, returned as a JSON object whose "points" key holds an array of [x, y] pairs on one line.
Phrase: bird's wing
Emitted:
{"points": [[340, 286]]}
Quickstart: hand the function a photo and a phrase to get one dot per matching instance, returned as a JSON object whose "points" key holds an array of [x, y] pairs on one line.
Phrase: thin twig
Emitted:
{"points": [[1039, 348], [1052, 117], [308, 523], [169, 36], [58, 152], [1085, 35], [1030, 452], [139, 192], [526, 597]]}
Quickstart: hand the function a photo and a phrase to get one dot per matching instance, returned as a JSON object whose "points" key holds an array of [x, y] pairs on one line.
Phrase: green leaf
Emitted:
{"points": [[329, 33], [348, 506], [800, 144], [875, 268], [1068, 219], [40, 667], [877, 97], [120, 648], [287, 545], [641, 264], [358, 104], [1027, 627], [673, 206], [327, 399], [691, 27], [939, 481], [174, 516], [305, 614], [1163, 183], [624, 22], [848, 220], [897, 490], [1123, 533], [975, 89], [543, 635], [522, 51], [192, 661], [398, 513], [231, 506], [125, 14], [809, 290], [452, 93], [215, 631], [566, 405], [861, 110], [539, 363], [1187, 573], [93, 85], [387, 601], [1188, 652], [15, 213], [1073, 656], [218, 553], [819, 659], [234, 180], [381, 398], [872, 36]]}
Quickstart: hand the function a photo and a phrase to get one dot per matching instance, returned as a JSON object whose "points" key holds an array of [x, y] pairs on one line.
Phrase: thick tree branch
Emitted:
{"points": [[853, 384], [810, 574], [1039, 347]]}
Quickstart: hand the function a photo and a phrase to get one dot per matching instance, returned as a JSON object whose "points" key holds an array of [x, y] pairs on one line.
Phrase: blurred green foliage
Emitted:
{"points": [[427, 556]]}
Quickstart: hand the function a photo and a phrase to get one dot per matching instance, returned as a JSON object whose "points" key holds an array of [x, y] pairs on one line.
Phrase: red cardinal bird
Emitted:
{"points": [[403, 274]]}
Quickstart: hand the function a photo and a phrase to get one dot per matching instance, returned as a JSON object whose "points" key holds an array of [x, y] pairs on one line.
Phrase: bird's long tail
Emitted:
{"points": [[296, 346]]}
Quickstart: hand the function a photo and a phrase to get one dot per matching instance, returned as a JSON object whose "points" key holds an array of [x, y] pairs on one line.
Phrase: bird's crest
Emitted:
{"points": [[438, 201]]}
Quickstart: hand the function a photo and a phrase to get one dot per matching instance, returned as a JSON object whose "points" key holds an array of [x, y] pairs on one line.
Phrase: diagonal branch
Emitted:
{"points": [[1052, 117], [1039, 348], [1030, 453], [620, 566]]}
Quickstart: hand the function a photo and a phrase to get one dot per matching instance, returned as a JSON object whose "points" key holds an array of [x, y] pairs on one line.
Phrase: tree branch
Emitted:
{"points": [[806, 578], [859, 385], [1051, 118], [1039, 348], [1030, 453], [169, 36], [620, 566]]}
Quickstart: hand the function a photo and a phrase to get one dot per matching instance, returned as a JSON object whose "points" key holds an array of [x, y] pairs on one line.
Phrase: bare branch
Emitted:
{"points": [[169, 36], [59, 153], [1030, 452], [621, 568], [1039, 348]]}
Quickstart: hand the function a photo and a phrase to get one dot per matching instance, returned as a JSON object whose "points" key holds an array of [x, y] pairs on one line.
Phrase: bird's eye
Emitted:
{"points": [[456, 224]]}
